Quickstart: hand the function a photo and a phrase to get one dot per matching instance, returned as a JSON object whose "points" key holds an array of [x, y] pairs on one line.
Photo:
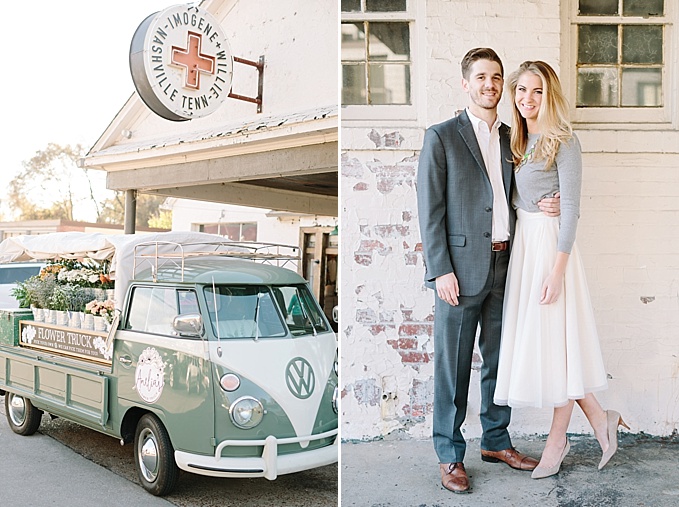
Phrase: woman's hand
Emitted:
{"points": [[551, 289], [553, 284]]}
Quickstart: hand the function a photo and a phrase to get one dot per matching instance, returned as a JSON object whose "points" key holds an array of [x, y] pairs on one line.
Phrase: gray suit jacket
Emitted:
{"points": [[455, 201]]}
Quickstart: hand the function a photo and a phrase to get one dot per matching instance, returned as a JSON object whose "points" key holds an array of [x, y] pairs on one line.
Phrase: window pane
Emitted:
{"points": [[351, 5], [643, 7], [389, 83], [249, 232], [598, 44], [353, 84], [642, 44], [642, 87], [597, 87], [353, 41], [385, 5], [389, 41], [598, 7]]}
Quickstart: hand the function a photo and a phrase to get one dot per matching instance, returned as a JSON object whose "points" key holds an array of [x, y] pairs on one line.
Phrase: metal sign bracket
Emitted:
{"points": [[259, 65]]}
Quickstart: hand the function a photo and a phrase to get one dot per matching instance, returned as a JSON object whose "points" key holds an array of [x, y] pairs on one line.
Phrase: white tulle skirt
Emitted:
{"points": [[549, 353]]}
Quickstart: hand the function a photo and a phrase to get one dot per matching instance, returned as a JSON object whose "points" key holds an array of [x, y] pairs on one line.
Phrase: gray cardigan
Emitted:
{"points": [[533, 183]]}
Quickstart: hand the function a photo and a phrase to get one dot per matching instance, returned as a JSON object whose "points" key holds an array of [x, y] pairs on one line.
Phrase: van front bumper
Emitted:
{"points": [[270, 465]]}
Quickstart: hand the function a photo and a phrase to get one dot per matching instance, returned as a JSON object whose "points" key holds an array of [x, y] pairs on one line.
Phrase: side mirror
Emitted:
{"points": [[190, 324], [335, 314]]}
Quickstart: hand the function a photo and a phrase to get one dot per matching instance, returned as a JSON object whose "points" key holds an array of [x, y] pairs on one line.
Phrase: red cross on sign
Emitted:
{"points": [[193, 61]]}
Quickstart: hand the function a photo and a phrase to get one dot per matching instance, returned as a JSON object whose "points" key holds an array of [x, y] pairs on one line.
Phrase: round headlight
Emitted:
{"points": [[335, 395], [229, 382], [246, 412]]}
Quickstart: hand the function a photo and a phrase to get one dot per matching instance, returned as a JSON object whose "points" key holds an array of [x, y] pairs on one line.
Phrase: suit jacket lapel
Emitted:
{"points": [[466, 130], [506, 156]]}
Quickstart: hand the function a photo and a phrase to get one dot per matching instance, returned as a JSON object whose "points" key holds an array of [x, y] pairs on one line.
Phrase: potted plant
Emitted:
{"points": [[103, 312], [58, 302]]}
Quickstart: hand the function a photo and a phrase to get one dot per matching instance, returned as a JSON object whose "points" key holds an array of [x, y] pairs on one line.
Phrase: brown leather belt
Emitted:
{"points": [[499, 246]]}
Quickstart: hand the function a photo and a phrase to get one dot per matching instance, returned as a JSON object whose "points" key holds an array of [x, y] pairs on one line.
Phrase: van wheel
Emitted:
{"points": [[22, 416], [154, 456]]}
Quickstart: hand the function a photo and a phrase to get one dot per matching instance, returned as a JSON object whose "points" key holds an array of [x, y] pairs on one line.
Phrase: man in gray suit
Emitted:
{"points": [[464, 185]]}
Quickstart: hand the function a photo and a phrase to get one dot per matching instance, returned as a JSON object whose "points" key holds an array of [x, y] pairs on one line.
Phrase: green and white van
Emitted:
{"points": [[218, 363]]}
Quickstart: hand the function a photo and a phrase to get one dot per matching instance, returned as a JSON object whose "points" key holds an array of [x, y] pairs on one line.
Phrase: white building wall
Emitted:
{"points": [[283, 229], [298, 75], [627, 234]]}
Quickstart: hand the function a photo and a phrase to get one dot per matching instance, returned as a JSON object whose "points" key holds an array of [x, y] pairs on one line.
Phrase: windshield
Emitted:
{"points": [[301, 312], [252, 311]]}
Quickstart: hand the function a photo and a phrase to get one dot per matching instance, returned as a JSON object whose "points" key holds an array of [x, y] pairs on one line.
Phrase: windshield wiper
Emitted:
{"points": [[259, 295], [305, 313]]}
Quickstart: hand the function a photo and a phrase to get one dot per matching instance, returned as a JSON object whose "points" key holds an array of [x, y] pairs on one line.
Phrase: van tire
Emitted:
{"points": [[154, 456], [22, 416]]}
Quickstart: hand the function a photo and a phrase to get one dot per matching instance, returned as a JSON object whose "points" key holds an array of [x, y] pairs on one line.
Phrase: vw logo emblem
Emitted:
{"points": [[300, 378]]}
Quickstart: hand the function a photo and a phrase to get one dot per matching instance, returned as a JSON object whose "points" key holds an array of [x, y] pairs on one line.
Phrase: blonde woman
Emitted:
{"points": [[550, 355]]}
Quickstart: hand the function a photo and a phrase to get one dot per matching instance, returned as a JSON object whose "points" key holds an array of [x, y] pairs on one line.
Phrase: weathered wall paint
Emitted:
{"points": [[627, 235]]}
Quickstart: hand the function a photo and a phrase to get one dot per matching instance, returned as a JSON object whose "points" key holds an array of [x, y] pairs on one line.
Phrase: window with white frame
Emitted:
{"points": [[377, 63], [620, 51], [245, 231]]}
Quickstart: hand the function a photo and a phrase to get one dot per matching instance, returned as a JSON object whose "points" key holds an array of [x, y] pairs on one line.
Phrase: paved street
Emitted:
{"points": [[644, 473], [66, 464]]}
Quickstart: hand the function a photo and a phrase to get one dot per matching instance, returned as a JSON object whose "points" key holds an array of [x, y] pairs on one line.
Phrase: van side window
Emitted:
{"points": [[152, 309]]}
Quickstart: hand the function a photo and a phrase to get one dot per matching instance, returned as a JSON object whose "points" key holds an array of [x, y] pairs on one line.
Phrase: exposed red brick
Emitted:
{"points": [[363, 259], [391, 231], [416, 330], [359, 187], [377, 329], [367, 392], [407, 343], [414, 357], [406, 216], [410, 258], [351, 167]]}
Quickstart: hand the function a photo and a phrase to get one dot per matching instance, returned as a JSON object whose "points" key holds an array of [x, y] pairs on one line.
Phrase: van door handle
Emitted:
{"points": [[125, 360]]}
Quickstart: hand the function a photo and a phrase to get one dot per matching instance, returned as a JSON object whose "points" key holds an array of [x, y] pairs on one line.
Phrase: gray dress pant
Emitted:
{"points": [[454, 334]]}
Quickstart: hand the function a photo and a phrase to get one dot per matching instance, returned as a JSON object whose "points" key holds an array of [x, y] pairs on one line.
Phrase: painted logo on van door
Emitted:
{"points": [[300, 378], [149, 377]]}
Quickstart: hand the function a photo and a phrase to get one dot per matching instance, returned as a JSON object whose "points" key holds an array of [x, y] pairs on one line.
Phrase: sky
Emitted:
{"points": [[65, 72]]}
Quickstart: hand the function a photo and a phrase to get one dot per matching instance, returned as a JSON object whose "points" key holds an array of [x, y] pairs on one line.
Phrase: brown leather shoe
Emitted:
{"points": [[510, 456], [454, 477]]}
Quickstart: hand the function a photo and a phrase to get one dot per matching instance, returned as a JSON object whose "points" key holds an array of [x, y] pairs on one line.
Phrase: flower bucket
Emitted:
{"points": [[50, 316], [61, 318], [87, 321], [75, 319], [99, 323], [38, 314]]}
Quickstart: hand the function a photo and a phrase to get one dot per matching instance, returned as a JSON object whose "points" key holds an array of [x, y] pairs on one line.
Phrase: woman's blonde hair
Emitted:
{"points": [[553, 122]]}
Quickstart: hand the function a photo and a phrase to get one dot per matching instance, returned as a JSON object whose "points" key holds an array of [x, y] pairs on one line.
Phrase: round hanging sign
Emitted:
{"points": [[181, 63]]}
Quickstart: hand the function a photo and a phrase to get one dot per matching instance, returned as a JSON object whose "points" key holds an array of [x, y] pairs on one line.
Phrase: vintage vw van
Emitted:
{"points": [[217, 364]]}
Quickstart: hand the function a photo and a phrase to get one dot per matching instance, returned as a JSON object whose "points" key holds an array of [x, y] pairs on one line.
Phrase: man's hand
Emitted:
{"points": [[551, 206], [448, 289]]}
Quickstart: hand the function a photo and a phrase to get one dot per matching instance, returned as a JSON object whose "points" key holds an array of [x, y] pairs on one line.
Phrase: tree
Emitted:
{"points": [[51, 185], [148, 210]]}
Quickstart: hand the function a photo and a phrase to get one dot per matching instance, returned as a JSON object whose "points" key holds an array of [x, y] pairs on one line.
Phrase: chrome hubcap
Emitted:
{"points": [[148, 455], [17, 409]]}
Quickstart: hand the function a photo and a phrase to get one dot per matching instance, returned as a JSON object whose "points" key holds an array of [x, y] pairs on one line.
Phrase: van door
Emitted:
{"points": [[167, 373]]}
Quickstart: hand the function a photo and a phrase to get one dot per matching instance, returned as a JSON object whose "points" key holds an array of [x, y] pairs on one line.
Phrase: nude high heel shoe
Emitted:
{"points": [[614, 420], [541, 472]]}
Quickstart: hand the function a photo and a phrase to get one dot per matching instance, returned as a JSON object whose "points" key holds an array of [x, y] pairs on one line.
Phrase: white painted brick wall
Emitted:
{"points": [[628, 235]]}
